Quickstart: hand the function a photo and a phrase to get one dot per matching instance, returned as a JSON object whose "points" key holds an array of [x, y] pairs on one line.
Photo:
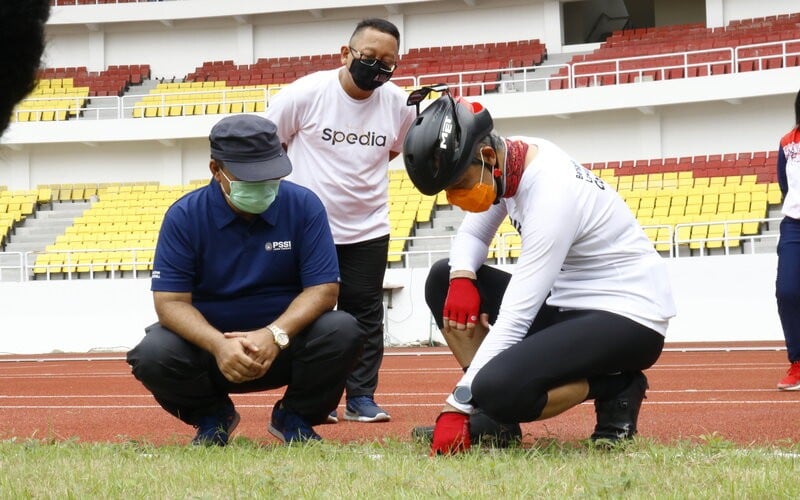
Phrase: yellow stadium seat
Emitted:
{"points": [[661, 212], [640, 182], [625, 183], [663, 239], [748, 180], [42, 264], [774, 195], [733, 180], [670, 180], [725, 207], [647, 202], [701, 182], [698, 232], [676, 211], [742, 206], [655, 181]]}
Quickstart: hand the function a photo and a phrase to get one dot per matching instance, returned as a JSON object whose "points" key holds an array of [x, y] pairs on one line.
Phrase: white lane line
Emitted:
{"points": [[386, 405], [278, 393], [420, 352]]}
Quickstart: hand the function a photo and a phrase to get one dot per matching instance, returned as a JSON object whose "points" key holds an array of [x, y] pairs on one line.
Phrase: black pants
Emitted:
{"points": [[362, 267], [186, 381], [560, 347]]}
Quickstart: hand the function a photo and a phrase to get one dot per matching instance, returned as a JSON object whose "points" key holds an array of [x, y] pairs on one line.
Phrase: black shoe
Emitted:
{"points": [[617, 417], [482, 430]]}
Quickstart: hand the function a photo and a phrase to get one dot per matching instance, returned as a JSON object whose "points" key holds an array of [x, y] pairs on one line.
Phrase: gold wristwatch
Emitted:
{"points": [[279, 336]]}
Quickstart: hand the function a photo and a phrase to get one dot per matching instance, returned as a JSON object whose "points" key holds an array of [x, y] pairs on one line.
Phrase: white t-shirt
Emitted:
{"points": [[580, 243], [339, 148]]}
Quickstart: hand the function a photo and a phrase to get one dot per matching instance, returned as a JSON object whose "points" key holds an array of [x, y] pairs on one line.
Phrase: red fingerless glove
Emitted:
{"points": [[451, 434], [463, 301]]}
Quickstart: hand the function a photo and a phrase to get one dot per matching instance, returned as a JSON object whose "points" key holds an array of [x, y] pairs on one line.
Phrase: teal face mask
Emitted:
{"points": [[252, 197]]}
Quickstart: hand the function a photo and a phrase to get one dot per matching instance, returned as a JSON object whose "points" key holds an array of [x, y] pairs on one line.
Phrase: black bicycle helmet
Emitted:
{"points": [[442, 141]]}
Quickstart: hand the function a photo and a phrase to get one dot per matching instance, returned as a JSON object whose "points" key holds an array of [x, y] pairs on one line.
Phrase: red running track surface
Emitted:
{"points": [[695, 391]]}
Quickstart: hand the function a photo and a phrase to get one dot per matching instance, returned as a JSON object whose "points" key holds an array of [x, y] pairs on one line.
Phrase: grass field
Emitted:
{"points": [[713, 468]]}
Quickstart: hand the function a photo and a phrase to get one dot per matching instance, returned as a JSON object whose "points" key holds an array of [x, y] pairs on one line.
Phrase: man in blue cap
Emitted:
{"points": [[244, 281]]}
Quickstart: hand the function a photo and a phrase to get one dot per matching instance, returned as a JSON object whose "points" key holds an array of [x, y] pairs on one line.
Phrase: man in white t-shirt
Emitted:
{"points": [[587, 305], [341, 128]]}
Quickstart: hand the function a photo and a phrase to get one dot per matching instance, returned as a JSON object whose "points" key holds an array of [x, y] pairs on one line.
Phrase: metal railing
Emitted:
{"points": [[74, 265], [644, 68], [621, 70], [680, 243], [683, 240]]}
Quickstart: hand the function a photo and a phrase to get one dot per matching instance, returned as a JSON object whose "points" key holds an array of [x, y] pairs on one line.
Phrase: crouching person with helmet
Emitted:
{"points": [[584, 310]]}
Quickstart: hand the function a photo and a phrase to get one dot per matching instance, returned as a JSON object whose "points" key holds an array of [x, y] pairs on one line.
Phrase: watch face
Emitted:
{"points": [[282, 339], [462, 394]]}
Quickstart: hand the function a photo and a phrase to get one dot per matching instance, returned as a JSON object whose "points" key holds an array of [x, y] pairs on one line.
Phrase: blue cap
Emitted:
{"points": [[249, 147]]}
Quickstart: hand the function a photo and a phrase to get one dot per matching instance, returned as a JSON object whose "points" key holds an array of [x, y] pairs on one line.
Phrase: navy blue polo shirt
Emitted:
{"points": [[243, 274]]}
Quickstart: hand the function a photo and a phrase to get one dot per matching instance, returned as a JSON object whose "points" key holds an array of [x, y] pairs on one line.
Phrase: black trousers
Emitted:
{"points": [[560, 347], [362, 267], [186, 381]]}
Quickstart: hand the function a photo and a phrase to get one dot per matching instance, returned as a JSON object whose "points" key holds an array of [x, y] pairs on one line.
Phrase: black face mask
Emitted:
{"points": [[369, 77]]}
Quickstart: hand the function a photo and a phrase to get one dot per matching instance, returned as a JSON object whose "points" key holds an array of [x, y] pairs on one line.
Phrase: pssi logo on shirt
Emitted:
{"points": [[278, 245]]}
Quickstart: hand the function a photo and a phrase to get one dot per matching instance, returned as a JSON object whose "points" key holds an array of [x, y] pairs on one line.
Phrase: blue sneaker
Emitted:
{"points": [[364, 409], [290, 427], [215, 429], [332, 418]]}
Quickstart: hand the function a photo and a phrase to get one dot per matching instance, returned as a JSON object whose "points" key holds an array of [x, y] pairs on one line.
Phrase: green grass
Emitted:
{"points": [[713, 468]]}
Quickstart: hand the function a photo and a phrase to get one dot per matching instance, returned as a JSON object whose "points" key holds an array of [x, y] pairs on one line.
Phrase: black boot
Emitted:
{"points": [[617, 416], [482, 430]]}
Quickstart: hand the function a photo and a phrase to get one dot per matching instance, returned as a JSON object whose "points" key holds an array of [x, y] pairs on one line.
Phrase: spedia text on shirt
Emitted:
{"points": [[365, 139]]}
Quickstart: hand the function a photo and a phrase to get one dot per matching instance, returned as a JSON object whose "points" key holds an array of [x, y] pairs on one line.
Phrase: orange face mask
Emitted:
{"points": [[478, 198]]}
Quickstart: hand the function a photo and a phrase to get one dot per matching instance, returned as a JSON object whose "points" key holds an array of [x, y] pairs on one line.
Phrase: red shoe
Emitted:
{"points": [[791, 382]]}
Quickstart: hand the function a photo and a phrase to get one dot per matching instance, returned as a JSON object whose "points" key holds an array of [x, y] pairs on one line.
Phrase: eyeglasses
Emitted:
{"points": [[371, 61], [419, 95]]}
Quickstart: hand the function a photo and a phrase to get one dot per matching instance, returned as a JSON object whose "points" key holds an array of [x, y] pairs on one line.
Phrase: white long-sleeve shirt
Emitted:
{"points": [[580, 243]]}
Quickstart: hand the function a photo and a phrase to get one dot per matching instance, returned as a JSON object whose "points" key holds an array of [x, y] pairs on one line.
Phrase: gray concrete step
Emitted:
{"points": [[44, 227]]}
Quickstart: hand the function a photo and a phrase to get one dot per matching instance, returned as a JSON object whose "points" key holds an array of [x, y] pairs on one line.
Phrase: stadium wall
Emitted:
{"points": [[735, 301]]}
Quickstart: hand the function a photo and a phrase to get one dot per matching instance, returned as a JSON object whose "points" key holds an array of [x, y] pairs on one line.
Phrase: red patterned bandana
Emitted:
{"points": [[515, 161]]}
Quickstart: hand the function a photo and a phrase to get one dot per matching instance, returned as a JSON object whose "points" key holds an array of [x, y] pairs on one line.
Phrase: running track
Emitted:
{"points": [[695, 390]]}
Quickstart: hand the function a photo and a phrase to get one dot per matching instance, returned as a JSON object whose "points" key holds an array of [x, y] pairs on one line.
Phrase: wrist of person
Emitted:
{"points": [[454, 406], [463, 274]]}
